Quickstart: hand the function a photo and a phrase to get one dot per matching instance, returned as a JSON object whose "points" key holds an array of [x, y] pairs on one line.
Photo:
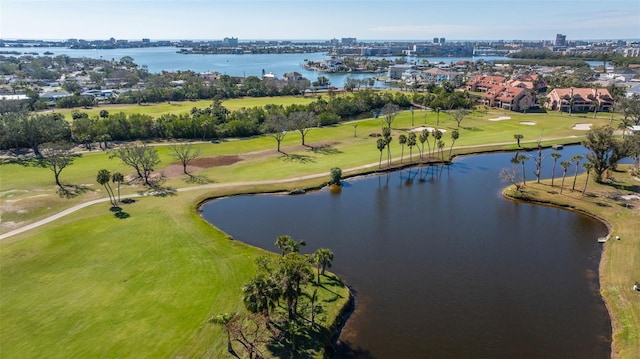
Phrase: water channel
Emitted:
{"points": [[442, 265]]}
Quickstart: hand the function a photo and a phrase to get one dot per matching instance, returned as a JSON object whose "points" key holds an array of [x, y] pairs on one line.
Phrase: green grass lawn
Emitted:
{"points": [[91, 285], [179, 107]]}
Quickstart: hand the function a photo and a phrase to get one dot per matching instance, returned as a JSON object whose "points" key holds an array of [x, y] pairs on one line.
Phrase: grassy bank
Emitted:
{"points": [[620, 263]]}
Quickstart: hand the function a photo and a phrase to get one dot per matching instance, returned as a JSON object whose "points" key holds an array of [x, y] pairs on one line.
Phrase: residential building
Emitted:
{"points": [[579, 99], [395, 71], [436, 75]]}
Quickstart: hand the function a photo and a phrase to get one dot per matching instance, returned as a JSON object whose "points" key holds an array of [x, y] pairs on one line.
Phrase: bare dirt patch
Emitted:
{"points": [[175, 169]]}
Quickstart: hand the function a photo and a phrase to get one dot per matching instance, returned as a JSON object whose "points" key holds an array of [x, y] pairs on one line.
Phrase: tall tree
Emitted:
{"points": [[522, 159], [437, 134], [261, 294], [103, 177], [389, 112], [605, 150], [587, 167], [57, 157], [411, 141], [302, 122], [459, 115], [118, 178], [277, 126], [402, 140], [141, 158], [454, 137], [381, 144], [386, 134], [424, 137], [322, 258], [518, 137], [565, 166], [555, 156], [576, 160], [293, 272], [185, 153]]}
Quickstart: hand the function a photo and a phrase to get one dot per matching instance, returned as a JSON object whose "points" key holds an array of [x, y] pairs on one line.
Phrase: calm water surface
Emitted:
{"points": [[158, 59], [442, 265]]}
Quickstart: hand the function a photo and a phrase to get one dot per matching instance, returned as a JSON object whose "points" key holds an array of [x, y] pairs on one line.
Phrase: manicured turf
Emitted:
{"points": [[181, 107], [91, 285]]}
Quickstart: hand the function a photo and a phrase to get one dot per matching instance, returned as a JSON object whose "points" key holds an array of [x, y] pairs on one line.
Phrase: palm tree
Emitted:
{"points": [[437, 134], [103, 178], [322, 258], [588, 166], [117, 177], [411, 141], [521, 159], [282, 242], [518, 137], [424, 136], [260, 295], [440, 148], [565, 166], [381, 144], [386, 134], [455, 134], [555, 156], [402, 139], [575, 159]]}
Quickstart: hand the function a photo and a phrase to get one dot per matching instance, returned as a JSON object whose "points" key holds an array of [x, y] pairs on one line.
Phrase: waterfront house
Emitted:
{"points": [[396, 71], [436, 75]]}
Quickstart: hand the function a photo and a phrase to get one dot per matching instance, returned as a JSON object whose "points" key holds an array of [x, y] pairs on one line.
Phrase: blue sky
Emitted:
{"points": [[320, 20]]}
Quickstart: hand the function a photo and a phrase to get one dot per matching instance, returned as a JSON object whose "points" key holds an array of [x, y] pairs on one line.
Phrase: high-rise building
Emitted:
{"points": [[561, 40], [442, 39], [435, 40], [230, 41], [349, 41]]}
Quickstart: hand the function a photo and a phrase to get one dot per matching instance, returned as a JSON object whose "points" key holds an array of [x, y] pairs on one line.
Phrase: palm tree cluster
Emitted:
{"points": [[284, 278], [278, 291]]}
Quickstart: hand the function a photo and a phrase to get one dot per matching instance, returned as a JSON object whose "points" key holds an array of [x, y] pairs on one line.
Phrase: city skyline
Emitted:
{"points": [[319, 20]]}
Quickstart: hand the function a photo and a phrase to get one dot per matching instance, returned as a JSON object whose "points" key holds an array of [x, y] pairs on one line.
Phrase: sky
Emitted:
{"points": [[320, 19]]}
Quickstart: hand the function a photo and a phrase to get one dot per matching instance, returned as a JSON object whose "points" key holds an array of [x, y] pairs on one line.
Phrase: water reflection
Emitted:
{"points": [[443, 266]]}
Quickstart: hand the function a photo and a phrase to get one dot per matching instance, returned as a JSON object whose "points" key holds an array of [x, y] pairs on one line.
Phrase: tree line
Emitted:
{"points": [[28, 130]]}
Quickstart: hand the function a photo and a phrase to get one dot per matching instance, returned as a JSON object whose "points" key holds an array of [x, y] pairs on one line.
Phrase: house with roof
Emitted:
{"points": [[293, 76], [482, 83], [436, 75], [515, 99], [579, 99]]}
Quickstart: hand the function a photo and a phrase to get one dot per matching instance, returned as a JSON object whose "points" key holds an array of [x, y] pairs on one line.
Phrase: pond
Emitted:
{"points": [[442, 265]]}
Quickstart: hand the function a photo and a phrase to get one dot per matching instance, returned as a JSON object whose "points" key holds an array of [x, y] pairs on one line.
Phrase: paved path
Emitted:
{"points": [[212, 186]]}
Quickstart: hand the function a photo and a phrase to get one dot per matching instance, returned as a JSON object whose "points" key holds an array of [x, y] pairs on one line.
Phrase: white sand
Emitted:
{"points": [[528, 123], [630, 197], [501, 118], [582, 126], [431, 129]]}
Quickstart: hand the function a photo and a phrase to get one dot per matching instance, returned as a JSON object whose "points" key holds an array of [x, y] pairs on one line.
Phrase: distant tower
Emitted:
{"points": [[561, 40], [442, 39], [435, 40]]}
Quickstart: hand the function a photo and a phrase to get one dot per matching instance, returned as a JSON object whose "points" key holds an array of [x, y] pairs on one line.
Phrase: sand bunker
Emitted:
{"points": [[501, 118], [630, 197], [528, 123], [431, 129], [582, 126]]}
